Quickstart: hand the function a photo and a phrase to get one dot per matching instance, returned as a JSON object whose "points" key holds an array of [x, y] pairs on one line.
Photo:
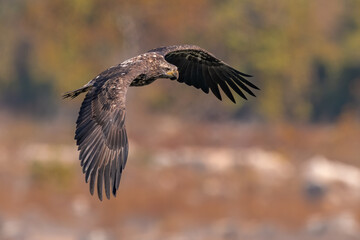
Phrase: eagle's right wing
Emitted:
{"points": [[101, 136]]}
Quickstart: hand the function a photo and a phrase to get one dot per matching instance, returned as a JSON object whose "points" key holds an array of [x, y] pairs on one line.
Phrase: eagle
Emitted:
{"points": [[100, 127]]}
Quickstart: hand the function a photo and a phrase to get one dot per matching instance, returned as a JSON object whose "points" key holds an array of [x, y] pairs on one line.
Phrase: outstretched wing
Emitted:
{"points": [[201, 69], [101, 136]]}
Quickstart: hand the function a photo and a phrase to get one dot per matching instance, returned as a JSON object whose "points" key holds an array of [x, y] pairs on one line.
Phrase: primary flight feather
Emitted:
{"points": [[100, 128]]}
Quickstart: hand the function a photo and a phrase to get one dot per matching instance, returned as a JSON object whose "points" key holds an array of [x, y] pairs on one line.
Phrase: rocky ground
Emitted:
{"points": [[185, 180]]}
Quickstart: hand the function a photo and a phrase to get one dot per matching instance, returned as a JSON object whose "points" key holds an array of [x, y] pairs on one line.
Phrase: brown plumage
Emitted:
{"points": [[100, 128]]}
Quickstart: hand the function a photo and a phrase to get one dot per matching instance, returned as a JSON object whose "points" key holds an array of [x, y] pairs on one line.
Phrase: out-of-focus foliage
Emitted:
{"points": [[52, 172], [297, 49], [304, 54]]}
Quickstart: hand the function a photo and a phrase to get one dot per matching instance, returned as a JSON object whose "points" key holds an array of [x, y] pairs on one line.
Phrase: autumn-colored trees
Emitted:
{"points": [[304, 54]]}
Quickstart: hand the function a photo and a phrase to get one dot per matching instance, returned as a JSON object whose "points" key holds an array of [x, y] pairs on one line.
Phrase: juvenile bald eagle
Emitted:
{"points": [[100, 127]]}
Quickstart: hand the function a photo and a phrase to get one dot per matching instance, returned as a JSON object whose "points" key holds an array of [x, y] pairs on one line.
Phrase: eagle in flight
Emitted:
{"points": [[100, 128]]}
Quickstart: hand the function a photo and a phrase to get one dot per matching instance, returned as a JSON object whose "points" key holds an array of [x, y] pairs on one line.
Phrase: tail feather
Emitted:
{"points": [[75, 93]]}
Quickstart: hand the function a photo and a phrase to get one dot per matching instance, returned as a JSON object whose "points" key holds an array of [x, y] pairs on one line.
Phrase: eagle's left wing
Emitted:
{"points": [[201, 69]]}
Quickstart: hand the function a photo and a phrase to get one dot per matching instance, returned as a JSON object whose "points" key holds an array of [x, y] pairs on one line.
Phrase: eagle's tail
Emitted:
{"points": [[77, 92]]}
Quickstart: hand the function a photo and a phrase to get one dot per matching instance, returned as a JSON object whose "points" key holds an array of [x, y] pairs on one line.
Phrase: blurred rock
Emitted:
{"points": [[326, 174], [80, 206], [98, 234], [51, 236], [43, 152], [344, 223], [315, 191], [10, 229], [227, 229], [269, 166], [210, 159]]}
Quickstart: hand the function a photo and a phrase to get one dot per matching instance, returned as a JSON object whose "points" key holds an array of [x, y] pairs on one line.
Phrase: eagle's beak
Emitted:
{"points": [[172, 74]]}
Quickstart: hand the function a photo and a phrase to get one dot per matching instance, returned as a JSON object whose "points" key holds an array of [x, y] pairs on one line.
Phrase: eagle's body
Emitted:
{"points": [[100, 131]]}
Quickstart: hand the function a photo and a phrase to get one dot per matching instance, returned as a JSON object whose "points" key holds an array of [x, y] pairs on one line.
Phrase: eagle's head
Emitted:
{"points": [[160, 68], [154, 66]]}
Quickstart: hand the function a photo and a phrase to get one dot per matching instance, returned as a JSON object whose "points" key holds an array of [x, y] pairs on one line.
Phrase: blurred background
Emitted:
{"points": [[284, 165]]}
